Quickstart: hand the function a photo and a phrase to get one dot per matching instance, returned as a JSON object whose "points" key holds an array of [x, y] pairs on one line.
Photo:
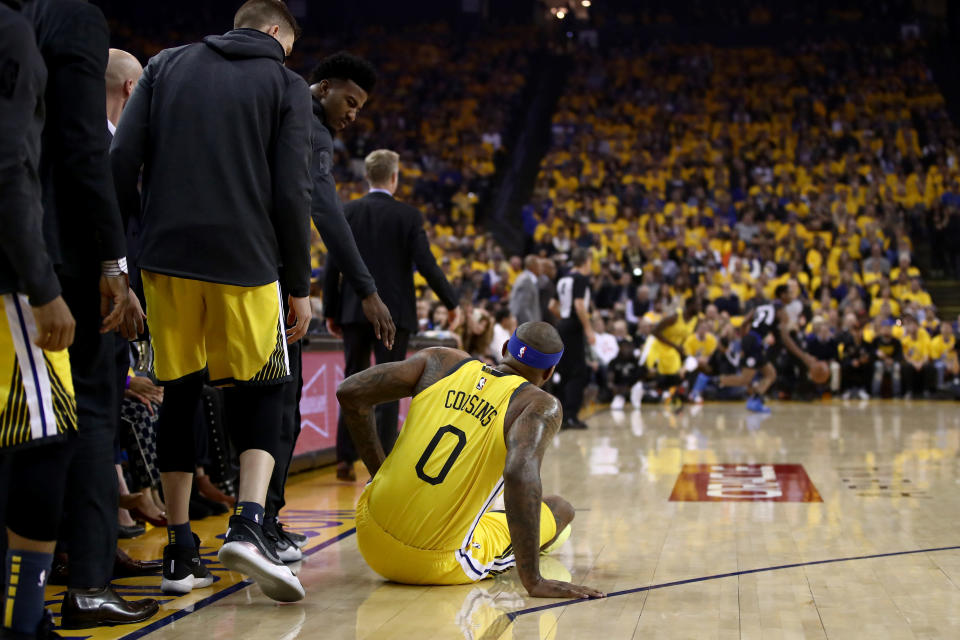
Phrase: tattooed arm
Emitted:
{"points": [[359, 393], [527, 440]]}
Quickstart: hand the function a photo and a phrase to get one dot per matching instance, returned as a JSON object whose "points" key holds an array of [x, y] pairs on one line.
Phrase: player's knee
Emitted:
{"points": [[563, 512]]}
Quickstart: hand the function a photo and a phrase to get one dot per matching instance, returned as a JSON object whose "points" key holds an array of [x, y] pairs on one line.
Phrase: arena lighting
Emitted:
{"points": [[586, 3], [561, 14]]}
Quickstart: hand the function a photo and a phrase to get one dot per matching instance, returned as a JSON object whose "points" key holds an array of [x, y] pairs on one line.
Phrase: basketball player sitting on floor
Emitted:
{"points": [[471, 431]]}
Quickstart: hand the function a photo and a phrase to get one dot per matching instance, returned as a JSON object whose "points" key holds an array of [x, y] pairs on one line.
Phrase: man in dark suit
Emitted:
{"points": [[392, 241], [85, 239]]}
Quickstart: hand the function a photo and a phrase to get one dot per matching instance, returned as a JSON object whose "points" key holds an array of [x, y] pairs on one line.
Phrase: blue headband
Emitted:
{"points": [[529, 356]]}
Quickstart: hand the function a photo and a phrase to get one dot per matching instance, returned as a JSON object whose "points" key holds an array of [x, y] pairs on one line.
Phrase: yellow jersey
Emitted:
{"points": [[446, 467], [679, 330], [940, 347], [916, 348], [694, 347]]}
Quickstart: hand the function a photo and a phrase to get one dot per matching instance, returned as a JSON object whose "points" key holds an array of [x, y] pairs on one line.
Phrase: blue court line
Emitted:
{"points": [[513, 615], [220, 595]]}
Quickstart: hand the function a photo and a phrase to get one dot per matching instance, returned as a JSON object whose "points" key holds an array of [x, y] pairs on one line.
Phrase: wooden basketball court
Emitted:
{"points": [[834, 520]]}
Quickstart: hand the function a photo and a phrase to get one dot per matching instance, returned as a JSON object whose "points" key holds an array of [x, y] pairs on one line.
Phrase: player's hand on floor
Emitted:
{"points": [[558, 589], [299, 318], [379, 316]]}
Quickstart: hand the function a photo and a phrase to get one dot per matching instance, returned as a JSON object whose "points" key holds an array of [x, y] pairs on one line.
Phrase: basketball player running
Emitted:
{"points": [[471, 431], [665, 355], [764, 320]]}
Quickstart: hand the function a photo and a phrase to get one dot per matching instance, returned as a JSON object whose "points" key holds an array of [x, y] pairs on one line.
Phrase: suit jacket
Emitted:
{"points": [[82, 221], [525, 298], [391, 240]]}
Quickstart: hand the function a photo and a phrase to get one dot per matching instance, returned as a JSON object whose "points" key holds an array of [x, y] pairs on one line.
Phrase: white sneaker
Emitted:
{"points": [[617, 403], [247, 550], [636, 394], [862, 394]]}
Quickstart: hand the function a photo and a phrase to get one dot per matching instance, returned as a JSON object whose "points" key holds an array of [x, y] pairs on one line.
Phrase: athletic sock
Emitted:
{"points": [[180, 534], [251, 511], [27, 573]]}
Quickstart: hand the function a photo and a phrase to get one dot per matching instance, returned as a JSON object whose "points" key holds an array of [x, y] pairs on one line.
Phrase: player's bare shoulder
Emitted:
{"points": [[534, 400], [437, 364]]}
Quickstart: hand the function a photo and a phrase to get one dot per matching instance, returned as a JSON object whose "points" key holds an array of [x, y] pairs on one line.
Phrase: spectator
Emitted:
{"points": [[887, 354], [504, 326], [919, 373], [525, 296]]}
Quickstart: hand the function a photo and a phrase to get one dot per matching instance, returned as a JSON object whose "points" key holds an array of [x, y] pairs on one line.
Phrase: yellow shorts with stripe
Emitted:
{"points": [[235, 334], [36, 389], [490, 551], [663, 359]]}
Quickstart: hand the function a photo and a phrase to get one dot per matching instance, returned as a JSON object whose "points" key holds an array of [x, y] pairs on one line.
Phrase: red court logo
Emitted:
{"points": [[744, 483]]}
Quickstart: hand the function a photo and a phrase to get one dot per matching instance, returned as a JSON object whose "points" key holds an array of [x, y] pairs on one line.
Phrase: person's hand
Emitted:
{"points": [[299, 318], [143, 390], [55, 325], [334, 328], [809, 360], [379, 316], [558, 589], [131, 326], [455, 318], [591, 336], [113, 293]]}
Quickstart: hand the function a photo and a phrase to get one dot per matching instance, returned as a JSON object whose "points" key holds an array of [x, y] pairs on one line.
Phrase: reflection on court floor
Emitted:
{"points": [[864, 543]]}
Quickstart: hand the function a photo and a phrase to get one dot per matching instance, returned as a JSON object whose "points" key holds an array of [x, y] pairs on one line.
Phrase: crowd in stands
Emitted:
{"points": [[688, 171], [693, 171]]}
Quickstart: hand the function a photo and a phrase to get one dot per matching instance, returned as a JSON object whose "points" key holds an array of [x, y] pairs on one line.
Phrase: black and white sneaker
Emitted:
{"points": [[296, 539], [247, 550], [183, 570], [286, 550]]}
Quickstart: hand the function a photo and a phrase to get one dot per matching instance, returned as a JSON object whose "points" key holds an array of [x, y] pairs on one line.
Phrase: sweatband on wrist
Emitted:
{"points": [[128, 382], [114, 268], [526, 354]]}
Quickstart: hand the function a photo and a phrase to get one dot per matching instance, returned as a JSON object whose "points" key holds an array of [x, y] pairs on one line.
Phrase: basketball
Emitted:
{"points": [[820, 372]]}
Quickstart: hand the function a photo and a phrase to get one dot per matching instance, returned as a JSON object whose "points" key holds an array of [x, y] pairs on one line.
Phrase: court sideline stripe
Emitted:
{"points": [[220, 595], [498, 627]]}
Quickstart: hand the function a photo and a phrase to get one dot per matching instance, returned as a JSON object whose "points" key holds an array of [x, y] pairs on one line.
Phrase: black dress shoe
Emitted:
{"points": [[125, 533], [126, 567], [199, 510], [85, 608], [215, 508]]}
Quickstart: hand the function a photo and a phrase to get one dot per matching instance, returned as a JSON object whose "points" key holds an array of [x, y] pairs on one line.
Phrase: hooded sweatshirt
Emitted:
{"points": [[25, 265], [222, 131]]}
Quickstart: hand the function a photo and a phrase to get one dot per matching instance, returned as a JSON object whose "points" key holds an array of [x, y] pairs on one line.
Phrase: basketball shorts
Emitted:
{"points": [[488, 553], [235, 334], [755, 354], [37, 402], [663, 359]]}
